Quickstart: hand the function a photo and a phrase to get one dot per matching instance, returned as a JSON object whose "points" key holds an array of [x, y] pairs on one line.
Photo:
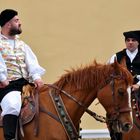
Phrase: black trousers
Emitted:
{"points": [[13, 86]]}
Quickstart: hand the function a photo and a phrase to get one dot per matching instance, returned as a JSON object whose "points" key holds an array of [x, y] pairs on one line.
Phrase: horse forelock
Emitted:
{"points": [[91, 76]]}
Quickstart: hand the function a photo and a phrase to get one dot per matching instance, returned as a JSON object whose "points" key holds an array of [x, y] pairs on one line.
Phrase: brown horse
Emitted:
{"points": [[62, 104], [134, 133]]}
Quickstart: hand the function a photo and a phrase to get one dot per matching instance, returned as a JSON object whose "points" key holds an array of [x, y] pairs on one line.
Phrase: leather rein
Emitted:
{"points": [[91, 113]]}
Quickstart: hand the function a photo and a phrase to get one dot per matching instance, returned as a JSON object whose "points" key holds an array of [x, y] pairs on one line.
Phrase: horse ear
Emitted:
{"points": [[116, 66], [123, 61]]}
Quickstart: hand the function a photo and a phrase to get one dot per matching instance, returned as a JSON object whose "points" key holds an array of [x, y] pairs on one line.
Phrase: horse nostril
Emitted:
{"points": [[127, 127]]}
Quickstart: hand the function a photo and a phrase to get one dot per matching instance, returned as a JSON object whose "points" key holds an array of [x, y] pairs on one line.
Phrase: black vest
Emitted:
{"points": [[133, 67]]}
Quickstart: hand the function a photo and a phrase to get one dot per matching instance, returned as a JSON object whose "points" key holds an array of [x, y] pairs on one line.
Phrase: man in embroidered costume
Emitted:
{"points": [[18, 67]]}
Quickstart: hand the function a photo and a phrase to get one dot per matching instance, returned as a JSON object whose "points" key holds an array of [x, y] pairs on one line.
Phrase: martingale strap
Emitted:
{"points": [[64, 116]]}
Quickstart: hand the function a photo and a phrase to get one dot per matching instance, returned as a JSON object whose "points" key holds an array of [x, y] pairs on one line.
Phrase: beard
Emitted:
{"points": [[15, 31]]}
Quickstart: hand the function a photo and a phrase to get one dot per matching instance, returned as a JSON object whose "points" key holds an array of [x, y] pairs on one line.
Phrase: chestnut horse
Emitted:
{"points": [[62, 104]]}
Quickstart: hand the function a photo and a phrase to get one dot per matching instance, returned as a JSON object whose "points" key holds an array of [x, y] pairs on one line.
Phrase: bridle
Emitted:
{"points": [[112, 118], [117, 111]]}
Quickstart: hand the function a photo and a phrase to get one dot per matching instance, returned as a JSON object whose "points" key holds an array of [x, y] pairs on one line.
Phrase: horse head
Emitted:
{"points": [[116, 99]]}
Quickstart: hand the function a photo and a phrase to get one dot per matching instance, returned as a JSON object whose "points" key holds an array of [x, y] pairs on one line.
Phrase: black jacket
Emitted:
{"points": [[134, 66]]}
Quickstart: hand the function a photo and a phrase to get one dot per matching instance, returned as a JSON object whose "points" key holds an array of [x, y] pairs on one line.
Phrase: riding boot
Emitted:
{"points": [[9, 126]]}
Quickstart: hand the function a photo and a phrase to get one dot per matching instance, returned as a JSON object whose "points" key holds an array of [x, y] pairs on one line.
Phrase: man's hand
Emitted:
{"points": [[135, 87], [4, 83], [38, 83]]}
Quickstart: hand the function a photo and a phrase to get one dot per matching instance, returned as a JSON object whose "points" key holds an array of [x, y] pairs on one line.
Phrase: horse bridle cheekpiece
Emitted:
{"points": [[113, 117]]}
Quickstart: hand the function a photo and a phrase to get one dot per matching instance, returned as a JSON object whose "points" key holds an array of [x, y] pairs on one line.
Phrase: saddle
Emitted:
{"points": [[28, 109]]}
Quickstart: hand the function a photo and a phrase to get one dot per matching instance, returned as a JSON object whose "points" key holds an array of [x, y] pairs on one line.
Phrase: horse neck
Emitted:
{"points": [[84, 97]]}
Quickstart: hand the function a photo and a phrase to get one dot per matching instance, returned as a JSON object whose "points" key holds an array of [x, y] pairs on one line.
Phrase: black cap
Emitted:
{"points": [[132, 34], [7, 15]]}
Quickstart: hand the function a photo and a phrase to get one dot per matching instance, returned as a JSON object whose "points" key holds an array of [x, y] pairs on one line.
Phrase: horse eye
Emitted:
{"points": [[121, 91]]}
